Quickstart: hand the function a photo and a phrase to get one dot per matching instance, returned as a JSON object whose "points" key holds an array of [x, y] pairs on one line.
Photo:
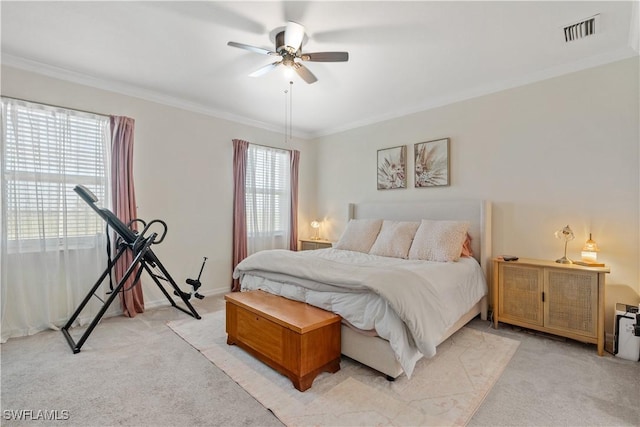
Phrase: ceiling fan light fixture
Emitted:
{"points": [[288, 73], [288, 61], [293, 36]]}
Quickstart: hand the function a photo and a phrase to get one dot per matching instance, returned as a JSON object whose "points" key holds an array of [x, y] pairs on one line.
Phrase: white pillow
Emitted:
{"points": [[394, 239], [359, 235], [439, 240]]}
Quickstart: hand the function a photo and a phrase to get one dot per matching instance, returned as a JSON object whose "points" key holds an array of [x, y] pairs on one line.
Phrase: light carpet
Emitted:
{"points": [[444, 390]]}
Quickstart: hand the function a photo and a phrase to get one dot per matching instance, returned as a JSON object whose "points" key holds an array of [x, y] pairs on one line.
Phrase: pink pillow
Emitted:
{"points": [[466, 247]]}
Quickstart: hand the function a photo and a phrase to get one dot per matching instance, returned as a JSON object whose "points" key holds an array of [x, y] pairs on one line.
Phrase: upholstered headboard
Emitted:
{"points": [[477, 212]]}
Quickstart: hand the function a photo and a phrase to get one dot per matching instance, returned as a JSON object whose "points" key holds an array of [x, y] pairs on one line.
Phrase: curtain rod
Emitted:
{"points": [[269, 146], [265, 146], [56, 106]]}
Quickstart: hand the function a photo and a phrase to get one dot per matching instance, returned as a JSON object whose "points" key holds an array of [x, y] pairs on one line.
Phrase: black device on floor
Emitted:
{"points": [[143, 257], [195, 284]]}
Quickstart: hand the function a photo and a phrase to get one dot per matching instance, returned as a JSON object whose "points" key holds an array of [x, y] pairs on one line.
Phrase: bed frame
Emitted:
{"points": [[376, 352]]}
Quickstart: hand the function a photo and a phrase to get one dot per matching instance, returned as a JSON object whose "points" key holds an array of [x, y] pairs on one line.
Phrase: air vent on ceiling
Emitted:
{"points": [[582, 29]]}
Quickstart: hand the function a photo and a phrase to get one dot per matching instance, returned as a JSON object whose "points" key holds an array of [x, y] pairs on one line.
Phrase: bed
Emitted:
{"points": [[396, 304]]}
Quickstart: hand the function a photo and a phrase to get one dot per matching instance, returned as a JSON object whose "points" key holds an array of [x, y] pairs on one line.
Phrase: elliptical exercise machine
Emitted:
{"points": [[140, 245]]}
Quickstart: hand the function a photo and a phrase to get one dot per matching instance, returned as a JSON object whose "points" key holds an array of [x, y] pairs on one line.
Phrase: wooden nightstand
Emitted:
{"points": [[561, 299], [311, 244]]}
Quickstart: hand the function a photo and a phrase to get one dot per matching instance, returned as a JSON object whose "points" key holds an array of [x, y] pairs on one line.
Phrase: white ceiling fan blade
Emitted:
{"points": [[293, 35], [264, 70], [252, 48]]}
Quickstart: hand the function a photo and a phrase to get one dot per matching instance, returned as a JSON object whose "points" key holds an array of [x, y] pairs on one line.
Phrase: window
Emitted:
{"points": [[268, 198], [46, 152]]}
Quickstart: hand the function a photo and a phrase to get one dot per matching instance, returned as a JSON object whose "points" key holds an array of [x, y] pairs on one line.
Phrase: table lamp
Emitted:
{"points": [[567, 235], [590, 251], [316, 226]]}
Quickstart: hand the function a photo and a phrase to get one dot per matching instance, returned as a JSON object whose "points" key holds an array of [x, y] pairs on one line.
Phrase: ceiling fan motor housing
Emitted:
{"points": [[281, 47]]}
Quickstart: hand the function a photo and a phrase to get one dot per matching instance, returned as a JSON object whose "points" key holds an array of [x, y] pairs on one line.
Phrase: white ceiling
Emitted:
{"points": [[404, 56]]}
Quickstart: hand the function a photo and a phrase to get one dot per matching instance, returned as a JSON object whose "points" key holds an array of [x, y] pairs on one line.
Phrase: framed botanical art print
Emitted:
{"points": [[432, 163], [392, 168]]}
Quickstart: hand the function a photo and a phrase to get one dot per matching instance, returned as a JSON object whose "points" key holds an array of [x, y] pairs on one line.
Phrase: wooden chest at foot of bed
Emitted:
{"points": [[296, 339]]}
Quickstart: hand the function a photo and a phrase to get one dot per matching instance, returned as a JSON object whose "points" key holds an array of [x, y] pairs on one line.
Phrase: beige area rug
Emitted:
{"points": [[443, 391]]}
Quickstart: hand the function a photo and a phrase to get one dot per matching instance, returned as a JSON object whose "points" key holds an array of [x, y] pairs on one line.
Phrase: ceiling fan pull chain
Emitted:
{"points": [[288, 113], [290, 110], [286, 125]]}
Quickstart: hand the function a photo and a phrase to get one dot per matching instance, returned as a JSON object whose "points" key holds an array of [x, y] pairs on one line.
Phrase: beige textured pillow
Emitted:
{"points": [[359, 235], [439, 240], [394, 239]]}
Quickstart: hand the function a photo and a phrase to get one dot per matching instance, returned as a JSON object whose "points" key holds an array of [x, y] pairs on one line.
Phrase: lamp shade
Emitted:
{"points": [[293, 36], [590, 250]]}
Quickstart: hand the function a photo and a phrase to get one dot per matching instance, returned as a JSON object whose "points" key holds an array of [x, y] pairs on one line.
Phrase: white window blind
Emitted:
{"points": [[46, 152], [268, 197]]}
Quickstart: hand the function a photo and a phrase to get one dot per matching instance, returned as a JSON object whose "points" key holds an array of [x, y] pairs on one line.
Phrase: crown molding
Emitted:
{"points": [[591, 62], [133, 91], [157, 97]]}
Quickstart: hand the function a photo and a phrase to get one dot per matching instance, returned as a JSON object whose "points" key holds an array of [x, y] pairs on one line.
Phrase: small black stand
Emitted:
{"points": [[140, 246]]}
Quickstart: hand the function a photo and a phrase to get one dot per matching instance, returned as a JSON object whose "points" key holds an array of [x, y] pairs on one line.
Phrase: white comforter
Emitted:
{"points": [[409, 303]]}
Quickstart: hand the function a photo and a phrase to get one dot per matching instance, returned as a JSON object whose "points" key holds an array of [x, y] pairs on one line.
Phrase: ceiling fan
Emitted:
{"points": [[288, 47]]}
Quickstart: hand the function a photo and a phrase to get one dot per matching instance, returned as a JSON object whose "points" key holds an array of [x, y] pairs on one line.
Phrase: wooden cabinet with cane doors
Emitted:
{"points": [[562, 299], [311, 244]]}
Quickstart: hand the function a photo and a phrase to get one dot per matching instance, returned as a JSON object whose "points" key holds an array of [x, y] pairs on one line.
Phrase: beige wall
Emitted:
{"points": [[557, 152], [182, 173], [561, 151]]}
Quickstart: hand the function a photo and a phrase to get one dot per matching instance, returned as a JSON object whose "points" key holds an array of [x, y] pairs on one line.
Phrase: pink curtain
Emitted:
{"points": [[124, 205], [240, 150], [295, 161]]}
